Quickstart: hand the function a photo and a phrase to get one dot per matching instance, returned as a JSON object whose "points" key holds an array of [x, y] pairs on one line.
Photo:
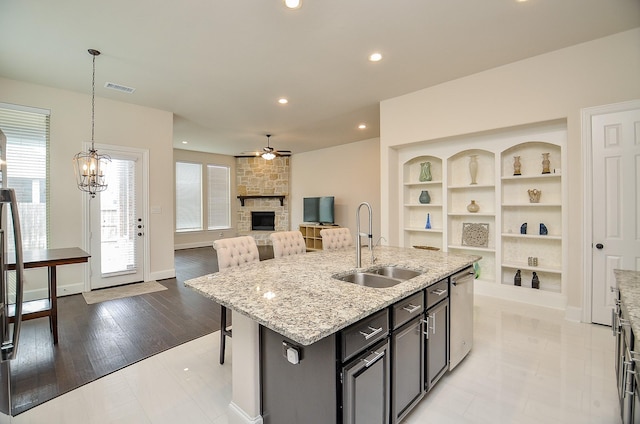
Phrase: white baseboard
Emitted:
{"points": [[63, 290], [193, 245], [238, 416], [163, 275]]}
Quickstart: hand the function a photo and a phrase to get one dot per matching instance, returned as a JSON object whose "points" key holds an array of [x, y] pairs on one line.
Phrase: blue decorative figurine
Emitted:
{"points": [[428, 226], [523, 228], [543, 229]]}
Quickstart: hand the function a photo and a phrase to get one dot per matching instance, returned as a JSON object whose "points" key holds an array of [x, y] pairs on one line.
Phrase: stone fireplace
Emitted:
{"points": [[262, 186]]}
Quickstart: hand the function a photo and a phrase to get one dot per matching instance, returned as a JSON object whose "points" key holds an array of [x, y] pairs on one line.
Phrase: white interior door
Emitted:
{"points": [[117, 225], [616, 204]]}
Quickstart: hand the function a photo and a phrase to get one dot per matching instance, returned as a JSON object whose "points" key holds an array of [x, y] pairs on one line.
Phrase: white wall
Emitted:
{"points": [[552, 86], [350, 172], [206, 238], [118, 124]]}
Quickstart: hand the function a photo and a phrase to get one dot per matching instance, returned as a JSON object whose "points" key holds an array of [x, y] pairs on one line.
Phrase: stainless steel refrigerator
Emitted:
{"points": [[11, 289]]}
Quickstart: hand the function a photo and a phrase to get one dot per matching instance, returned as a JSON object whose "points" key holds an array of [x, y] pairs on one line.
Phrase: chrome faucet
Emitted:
{"points": [[359, 234]]}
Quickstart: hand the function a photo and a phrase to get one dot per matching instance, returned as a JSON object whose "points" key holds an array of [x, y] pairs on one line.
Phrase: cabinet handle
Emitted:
{"points": [[624, 322], [628, 384], [411, 308], [625, 366], [439, 292], [433, 323], [371, 360], [374, 332], [426, 323], [613, 322]]}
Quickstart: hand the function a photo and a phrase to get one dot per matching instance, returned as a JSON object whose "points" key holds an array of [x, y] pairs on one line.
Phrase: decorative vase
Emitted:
{"points": [[517, 279], [473, 207], [424, 197], [476, 270], [545, 163], [534, 195], [473, 168], [428, 226], [425, 171], [516, 165]]}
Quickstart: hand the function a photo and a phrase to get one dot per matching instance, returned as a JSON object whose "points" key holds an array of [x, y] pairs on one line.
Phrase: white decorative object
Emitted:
{"points": [[473, 168], [476, 235]]}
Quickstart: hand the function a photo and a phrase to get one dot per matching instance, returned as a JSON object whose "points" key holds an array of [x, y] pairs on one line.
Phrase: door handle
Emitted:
{"points": [[599, 246], [9, 348]]}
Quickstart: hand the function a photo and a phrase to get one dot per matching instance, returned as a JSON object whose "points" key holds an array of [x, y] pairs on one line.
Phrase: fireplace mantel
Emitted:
{"points": [[267, 196]]}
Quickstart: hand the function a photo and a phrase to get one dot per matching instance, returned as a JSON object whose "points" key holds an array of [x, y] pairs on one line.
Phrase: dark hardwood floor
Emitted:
{"points": [[95, 340]]}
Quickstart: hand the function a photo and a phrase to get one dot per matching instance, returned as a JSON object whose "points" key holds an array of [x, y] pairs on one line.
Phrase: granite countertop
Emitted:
{"points": [[629, 286], [297, 297]]}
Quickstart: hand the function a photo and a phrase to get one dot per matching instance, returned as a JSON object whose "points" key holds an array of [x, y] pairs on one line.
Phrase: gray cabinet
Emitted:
{"points": [[372, 372], [407, 356], [436, 333], [627, 372], [365, 373], [365, 387], [298, 393]]}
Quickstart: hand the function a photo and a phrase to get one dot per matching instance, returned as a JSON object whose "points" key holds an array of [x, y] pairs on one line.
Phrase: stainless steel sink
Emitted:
{"points": [[379, 277], [370, 280], [397, 272]]}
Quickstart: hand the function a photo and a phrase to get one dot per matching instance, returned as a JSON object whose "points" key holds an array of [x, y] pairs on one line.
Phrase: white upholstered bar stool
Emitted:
{"points": [[336, 238], [287, 243], [233, 252]]}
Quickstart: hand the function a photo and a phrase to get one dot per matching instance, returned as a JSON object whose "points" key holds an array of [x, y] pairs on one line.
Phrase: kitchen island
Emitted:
{"points": [[298, 298]]}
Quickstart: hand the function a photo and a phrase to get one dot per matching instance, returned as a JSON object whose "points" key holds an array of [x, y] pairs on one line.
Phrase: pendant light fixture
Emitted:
{"points": [[89, 166]]}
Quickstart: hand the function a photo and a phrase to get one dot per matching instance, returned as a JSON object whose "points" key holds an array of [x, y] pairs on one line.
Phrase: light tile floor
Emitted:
{"points": [[528, 365]]}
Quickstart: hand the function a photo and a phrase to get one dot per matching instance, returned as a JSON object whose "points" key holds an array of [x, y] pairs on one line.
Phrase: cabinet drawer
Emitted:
{"points": [[407, 309], [364, 333], [437, 292]]}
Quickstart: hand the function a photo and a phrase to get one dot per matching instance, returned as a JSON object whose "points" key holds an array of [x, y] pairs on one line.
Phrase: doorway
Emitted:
{"points": [[611, 139], [116, 221]]}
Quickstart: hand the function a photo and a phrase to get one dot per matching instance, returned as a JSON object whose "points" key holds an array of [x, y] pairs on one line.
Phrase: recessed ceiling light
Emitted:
{"points": [[375, 57], [184, 142], [283, 101], [293, 4], [362, 126]]}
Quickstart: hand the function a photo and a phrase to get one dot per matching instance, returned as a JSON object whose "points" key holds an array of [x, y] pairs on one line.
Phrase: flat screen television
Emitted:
{"points": [[318, 209]]}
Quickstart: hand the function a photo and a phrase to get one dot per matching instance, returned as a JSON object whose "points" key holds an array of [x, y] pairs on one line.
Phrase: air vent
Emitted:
{"points": [[118, 87]]}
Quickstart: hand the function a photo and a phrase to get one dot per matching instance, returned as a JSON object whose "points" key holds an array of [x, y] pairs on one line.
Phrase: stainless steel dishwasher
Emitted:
{"points": [[461, 328]]}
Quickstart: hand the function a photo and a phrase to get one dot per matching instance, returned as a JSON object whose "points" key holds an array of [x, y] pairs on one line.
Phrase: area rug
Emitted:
{"points": [[120, 292]]}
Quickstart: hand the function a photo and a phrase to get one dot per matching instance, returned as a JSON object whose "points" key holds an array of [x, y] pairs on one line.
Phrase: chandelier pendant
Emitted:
{"points": [[90, 166]]}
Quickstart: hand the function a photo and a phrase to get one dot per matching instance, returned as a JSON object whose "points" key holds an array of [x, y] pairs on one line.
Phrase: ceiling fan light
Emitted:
{"points": [[268, 156], [293, 4]]}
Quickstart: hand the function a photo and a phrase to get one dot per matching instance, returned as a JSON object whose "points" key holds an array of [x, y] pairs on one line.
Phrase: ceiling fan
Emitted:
{"points": [[267, 152]]}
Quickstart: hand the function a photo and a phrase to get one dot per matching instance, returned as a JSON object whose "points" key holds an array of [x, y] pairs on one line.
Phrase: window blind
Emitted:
{"points": [[27, 160], [188, 196], [219, 206]]}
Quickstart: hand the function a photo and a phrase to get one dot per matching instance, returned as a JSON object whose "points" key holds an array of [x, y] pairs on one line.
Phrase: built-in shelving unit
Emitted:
{"points": [[416, 213], [462, 188], [311, 235], [504, 205], [517, 209]]}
